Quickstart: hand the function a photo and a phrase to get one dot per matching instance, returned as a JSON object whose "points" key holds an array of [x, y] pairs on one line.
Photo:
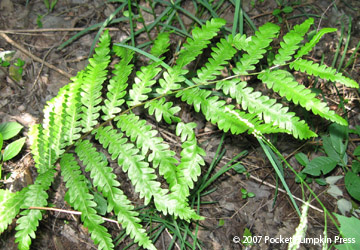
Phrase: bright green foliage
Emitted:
{"points": [[308, 46], [256, 48], [118, 84], [92, 81], [266, 108], [80, 198], [163, 110], [137, 147], [284, 83], [106, 183], [10, 206], [291, 42], [322, 71]]}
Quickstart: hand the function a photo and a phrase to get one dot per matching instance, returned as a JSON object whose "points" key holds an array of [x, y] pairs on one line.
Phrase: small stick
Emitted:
{"points": [[35, 58], [69, 212], [47, 30]]}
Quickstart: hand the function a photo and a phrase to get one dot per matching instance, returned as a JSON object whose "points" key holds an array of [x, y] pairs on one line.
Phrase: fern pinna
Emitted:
{"points": [[99, 103]]}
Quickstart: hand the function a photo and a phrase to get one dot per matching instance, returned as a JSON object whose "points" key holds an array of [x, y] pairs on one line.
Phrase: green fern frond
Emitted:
{"points": [[142, 83], [105, 181], [141, 175], [92, 81], [144, 80], [201, 38], [291, 42], [256, 48], [310, 45], [221, 54], [224, 115], [10, 204], [118, 83], [161, 44], [136, 145], [83, 201], [266, 108], [191, 156], [323, 72], [35, 196], [72, 125], [163, 110], [283, 82], [144, 136], [190, 163]]}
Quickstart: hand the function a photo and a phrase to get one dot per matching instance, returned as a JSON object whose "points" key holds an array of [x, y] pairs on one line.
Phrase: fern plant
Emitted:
{"points": [[97, 107]]}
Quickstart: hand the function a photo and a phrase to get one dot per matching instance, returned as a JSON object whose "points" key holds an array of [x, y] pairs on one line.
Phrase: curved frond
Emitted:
{"points": [[141, 175], [191, 160], [291, 42], [10, 204], [72, 125], [256, 48], [224, 115], [323, 72], [163, 110], [266, 108], [35, 196], [304, 50], [200, 39], [142, 83], [80, 198], [118, 83], [105, 181], [93, 78], [283, 83], [221, 54], [146, 140]]}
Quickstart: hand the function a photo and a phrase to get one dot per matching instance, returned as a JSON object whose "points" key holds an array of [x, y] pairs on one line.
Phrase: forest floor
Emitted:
{"points": [[23, 101]]}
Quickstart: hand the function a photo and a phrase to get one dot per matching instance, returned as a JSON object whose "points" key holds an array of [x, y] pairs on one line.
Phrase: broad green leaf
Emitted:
{"points": [[357, 151], [320, 164], [333, 179], [344, 206], [334, 191], [337, 134], [355, 167], [331, 151], [347, 226], [13, 149], [10, 129], [101, 204], [352, 184], [302, 159]]}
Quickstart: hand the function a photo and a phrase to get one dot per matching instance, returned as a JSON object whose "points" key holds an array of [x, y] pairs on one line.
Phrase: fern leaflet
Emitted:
{"points": [[80, 198]]}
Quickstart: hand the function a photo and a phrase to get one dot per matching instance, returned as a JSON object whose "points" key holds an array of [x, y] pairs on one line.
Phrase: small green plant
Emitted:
{"points": [[96, 111], [281, 11], [15, 69], [9, 130], [50, 4], [334, 146], [246, 194]]}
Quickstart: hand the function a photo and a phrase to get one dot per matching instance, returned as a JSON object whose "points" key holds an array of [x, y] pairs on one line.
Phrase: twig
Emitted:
{"points": [[35, 58], [47, 30], [69, 212], [283, 191]]}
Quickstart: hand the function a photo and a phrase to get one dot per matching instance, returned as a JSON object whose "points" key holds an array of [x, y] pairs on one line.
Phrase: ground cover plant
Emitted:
{"points": [[95, 120]]}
